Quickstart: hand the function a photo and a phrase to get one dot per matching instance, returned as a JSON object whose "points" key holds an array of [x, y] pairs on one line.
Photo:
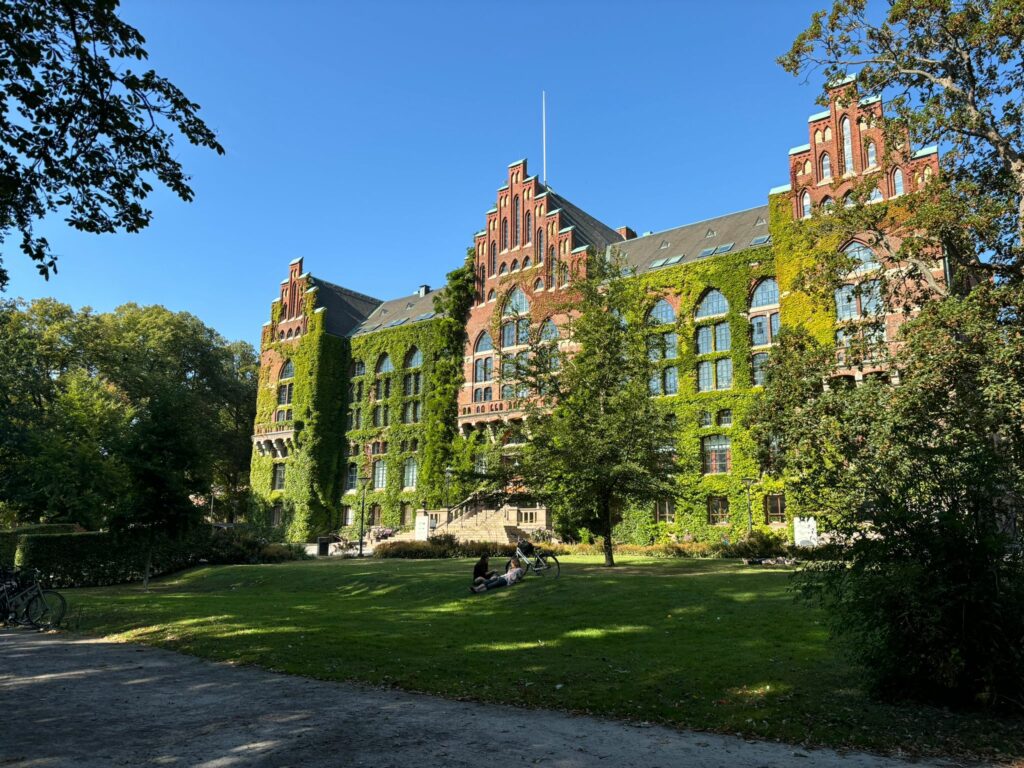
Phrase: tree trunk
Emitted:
{"points": [[609, 556]]}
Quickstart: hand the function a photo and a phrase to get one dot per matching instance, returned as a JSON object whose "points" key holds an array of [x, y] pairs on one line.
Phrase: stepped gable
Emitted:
{"points": [[409, 309], [346, 309], [694, 242], [588, 230]]}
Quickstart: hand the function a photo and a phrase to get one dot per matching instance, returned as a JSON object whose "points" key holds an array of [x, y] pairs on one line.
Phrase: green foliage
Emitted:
{"points": [[954, 72], [9, 539], [919, 487], [442, 547], [120, 418], [83, 133]]}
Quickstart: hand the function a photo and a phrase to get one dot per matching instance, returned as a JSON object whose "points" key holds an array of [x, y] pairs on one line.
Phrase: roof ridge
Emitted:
{"points": [[347, 291], [695, 223]]}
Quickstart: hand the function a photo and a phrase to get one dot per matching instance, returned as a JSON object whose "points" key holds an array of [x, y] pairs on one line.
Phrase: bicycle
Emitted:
{"points": [[23, 601], [532, 559]]}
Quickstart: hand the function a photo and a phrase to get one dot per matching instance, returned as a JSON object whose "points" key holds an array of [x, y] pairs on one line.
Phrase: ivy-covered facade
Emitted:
{"points": [[399, 396]]}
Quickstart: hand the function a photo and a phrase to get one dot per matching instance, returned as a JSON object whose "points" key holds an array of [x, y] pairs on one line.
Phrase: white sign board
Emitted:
{"points": [[805, 531], [422, 526]]}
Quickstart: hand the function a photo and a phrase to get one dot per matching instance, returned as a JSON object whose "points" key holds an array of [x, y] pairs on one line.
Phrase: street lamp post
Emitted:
{"points": [[365, 480], [747, 481], [448, 472]]}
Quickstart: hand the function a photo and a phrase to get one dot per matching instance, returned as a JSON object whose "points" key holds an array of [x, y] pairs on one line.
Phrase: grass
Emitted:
{"points": [[705, 644]]}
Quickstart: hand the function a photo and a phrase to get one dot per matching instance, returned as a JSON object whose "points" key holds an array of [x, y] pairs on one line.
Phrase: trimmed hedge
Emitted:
{"points": [[9, 539]]}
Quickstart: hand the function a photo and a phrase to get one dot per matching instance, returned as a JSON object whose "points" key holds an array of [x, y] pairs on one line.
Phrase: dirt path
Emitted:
{"points": [[67, 701]]}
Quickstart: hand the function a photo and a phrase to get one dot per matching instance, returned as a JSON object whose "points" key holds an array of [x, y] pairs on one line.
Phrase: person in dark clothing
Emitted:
{"points": [[515, 574], [481, 572]]}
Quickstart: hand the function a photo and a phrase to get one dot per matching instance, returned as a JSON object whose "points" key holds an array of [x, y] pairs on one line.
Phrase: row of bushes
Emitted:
{"points": [[9, 539], [73, 559], [759, 544]]}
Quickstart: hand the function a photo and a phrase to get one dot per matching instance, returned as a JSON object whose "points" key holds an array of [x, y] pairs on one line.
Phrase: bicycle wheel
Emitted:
{"points": [[46, 609], [549, 565]]}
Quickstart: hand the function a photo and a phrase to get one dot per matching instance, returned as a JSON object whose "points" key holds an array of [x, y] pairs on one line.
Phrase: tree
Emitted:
{"points": [[953, 74], [81, 132], [595, 438], [919, 488]]}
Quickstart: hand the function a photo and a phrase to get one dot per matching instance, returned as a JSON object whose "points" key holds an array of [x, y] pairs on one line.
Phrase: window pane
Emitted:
{"points": [[705, 379], [717, 451], [723, 337], [379, 474], [714, 303], [758, 330], [725, 418], [870, 298], [671, 346], [654, 384], [766, 293], [704, 419], [846, 303], [662, 313], [758, 363], [704, 345], [508, 335], [718, 510], [671, 381], [775, 325], [723, 370]]}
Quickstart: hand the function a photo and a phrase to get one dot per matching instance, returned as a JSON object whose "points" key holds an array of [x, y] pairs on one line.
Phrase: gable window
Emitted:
{"points": [[872, 154], [515, 221], [665, 511], [774, 508], [504, 234], [492, 265], [277, 480], [718, 510], [527, 228]]}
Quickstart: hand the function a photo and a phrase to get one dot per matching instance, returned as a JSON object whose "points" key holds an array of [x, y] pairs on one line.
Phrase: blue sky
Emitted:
{"points": [[370, 138]]}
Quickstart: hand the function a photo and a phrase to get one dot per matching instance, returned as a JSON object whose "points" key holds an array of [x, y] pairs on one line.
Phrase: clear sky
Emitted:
{"points": [[370, 138]]}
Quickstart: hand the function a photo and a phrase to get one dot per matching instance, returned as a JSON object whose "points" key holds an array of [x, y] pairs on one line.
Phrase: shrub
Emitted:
{"points": [[9, 539], [759, 544]]}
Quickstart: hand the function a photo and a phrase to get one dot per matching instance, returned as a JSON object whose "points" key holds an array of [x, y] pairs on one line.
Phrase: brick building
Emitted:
{"points": [[348, 381]]}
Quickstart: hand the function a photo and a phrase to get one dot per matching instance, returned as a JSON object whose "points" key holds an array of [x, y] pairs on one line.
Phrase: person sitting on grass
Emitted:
{"points": [[515, 573], [480, 572]]}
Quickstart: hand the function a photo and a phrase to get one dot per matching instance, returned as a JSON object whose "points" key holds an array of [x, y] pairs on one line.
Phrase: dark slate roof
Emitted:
{"points": [[396, 312], [691, 240], [589, 230], [345, 309]]}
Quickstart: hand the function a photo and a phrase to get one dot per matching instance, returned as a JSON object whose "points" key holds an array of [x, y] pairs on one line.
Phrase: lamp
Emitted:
{"points": [[365, 480]]}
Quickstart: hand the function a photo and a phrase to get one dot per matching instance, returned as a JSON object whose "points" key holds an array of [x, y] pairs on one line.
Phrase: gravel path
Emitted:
{"points": [[68, 701]]}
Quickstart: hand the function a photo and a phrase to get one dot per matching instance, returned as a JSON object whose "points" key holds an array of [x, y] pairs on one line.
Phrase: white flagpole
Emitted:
{"points": [[544, 131]]}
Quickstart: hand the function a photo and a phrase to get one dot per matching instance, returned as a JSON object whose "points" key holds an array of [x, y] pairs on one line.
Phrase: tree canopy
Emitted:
{"points": [[83, 133], [124, 418], [595, 438]]}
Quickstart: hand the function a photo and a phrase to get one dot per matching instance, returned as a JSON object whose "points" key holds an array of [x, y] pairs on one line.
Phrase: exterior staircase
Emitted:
{"points": [[503, 524]]}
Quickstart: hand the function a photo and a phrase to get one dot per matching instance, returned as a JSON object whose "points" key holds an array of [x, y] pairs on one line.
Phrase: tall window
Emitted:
{"points": [[527, 228], [277, 480], [844, 127], [412, 384], [723, 373], [774, 508], [705, 377], [516, 222], [758, 365], [384, 364], [483, 369], [347, 516], [897, 182], [718, 510], [484, 343], [414, 358], [409, 473], [665, 511], [713, 303], [826, 166], [662, 313], [380, 474], [872, 154], [805, 205], [352, 477], [540, 245], [492, 265], [411, 412], [504, 234], [516, 303]]}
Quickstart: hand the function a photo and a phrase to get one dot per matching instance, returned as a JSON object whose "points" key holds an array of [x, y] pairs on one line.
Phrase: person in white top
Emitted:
{"points": [[514, 574]]}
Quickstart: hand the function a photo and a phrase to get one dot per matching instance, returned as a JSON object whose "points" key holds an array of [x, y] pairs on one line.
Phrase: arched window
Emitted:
{"points": [[765, 294], [897, 182], [528, 228], [872, 154], [712, 304], [289, 334], [826, 166], [502, 269], [538, 284], [515, 265], [848, 201], [827, 203], [662, 313], [805, 204], [516, 221], [875, 196], [817, 137], [484, 343], [527, 262], [516, 303], [493, 265], [863, 255], [828, 133], [414, 358], [807, 167], [540, 246], [384, 364], [548, 331], [504, 234], [490, 295], [287, 371], [844, 126]]}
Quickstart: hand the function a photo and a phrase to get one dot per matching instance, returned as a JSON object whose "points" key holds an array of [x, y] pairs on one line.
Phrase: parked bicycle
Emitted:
{"points": [[24, 601], [532, 559]]}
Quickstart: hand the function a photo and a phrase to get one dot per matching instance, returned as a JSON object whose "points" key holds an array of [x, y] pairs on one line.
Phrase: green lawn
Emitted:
{"points": [[705, 644]]}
